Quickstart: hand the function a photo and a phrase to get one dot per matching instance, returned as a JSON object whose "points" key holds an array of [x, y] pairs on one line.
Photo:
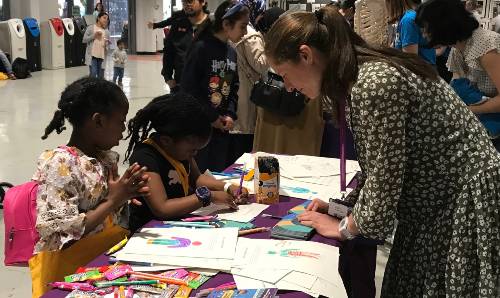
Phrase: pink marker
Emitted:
{"points": [[200, 218]]}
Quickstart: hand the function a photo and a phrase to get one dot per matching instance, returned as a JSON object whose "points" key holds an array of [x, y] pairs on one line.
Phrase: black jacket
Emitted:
{"points": [[176, 44], [210, 75]]}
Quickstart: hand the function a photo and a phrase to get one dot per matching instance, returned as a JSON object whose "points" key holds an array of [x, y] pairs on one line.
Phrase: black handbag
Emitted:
{"points": [[272, 96]]}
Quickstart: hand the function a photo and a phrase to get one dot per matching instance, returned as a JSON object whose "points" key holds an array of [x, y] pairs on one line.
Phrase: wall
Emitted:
{"points": [[41, 10]]}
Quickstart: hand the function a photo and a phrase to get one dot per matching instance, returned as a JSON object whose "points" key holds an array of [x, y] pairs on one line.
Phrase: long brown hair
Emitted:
{"points": [[327, 31], [397, 8]]}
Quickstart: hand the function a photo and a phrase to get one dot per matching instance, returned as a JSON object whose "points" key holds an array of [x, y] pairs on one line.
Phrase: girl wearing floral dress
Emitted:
{"points": [[81, 200]]}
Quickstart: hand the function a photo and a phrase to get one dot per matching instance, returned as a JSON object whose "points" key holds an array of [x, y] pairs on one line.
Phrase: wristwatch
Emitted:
{"points": [[204, 195], [343, 229]]}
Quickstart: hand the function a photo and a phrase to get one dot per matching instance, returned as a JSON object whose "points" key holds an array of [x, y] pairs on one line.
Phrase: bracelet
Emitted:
{"points": [[226, 186]]}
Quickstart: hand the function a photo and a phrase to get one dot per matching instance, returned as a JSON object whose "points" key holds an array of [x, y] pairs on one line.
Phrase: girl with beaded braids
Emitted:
{"points": [[81, 201], [165, 136]]}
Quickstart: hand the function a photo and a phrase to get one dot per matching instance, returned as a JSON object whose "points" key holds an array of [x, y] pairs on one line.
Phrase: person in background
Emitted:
{"points": [[408, 37], [6, 66], [475, 53], [98, 9], [425, 158], [471, 6], [119, 59], [183, 25], [97, 39], [285, 135], [210, 75], [181, 128], [252, 65], [347, 9]]}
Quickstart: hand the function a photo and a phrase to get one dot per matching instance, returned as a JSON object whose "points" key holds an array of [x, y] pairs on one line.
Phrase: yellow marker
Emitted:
{"points": [[183, 292], [122, 292], [117, 247]]}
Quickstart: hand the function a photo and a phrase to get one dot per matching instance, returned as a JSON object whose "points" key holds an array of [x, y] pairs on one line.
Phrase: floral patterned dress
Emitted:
{"points": [[70, 184], [428, 163]]}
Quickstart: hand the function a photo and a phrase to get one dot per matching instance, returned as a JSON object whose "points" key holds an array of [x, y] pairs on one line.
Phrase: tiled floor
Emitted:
{"points": [[26, 107]]}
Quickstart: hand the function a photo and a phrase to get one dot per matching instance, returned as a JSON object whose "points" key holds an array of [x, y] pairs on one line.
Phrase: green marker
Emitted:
{"points": [[105, 284]]}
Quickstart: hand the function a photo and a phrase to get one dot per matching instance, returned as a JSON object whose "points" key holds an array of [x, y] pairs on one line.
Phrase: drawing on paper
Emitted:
{"points": [[297, 189], [294, 253], [174, 242]]}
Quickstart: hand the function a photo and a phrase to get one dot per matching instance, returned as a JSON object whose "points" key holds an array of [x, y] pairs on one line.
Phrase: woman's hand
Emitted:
{"points": [[318, 205], [324, 224], [241, 198], [222, 197], [133, 183]]}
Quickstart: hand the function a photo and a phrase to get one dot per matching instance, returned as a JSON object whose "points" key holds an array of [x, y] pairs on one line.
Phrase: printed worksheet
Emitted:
{"points": [[184, 242]]}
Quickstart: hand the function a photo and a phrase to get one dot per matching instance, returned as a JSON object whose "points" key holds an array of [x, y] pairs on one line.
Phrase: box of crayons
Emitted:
{"points": [[267, 180]]}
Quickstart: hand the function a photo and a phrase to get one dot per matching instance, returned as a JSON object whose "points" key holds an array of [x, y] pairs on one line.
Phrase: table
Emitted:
{"points": [[281, 209]]}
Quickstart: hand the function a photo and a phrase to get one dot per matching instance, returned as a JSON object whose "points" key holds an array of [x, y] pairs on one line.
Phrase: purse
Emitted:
{"points": [[272, 96]]}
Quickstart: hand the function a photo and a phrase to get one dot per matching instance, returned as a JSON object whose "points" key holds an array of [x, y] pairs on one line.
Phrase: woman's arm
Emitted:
{"points": [[491, 63]]}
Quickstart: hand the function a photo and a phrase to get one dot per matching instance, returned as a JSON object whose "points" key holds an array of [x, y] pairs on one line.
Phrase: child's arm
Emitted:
{"points": [[89, 35], [60, 219], [212, 183], [121, 189], [115, 56]]}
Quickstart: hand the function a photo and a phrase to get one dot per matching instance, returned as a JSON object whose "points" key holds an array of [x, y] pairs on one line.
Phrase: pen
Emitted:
{"points": [[238, 194], [190, 224], [271, 216], [160, 278], [117, 247], [252, 231], [200, 218], [105, 284], [132, 263]]}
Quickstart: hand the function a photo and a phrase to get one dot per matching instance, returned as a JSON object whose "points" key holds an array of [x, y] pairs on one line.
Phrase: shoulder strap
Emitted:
{"points": [[178, 166], [342, 124]]}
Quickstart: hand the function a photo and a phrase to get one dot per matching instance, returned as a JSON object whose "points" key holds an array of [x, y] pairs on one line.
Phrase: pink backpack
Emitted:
{"points": [[19, 217]]}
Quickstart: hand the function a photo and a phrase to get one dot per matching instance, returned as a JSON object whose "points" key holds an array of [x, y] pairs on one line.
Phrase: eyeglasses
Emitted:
{"points": [[233, 10]]}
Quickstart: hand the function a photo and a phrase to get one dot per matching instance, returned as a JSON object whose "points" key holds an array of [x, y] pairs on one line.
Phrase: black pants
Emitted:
{"points": [[215, 156], [357, 264], [240, 143]]}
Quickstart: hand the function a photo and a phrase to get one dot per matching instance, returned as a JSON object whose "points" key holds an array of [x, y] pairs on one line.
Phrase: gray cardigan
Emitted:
{"points": [[88, 38]]}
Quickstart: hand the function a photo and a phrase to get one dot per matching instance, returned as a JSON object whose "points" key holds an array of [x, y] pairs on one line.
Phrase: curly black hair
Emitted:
{"points": [[177, 116], [81, 99]]}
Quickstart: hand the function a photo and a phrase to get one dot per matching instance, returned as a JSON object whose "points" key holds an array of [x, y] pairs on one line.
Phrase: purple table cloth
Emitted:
{"points": [[280, 209]]}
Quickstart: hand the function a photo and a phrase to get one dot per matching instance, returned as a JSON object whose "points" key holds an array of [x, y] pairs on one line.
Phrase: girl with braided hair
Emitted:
{"points": [[81, 201], [165, 136]]}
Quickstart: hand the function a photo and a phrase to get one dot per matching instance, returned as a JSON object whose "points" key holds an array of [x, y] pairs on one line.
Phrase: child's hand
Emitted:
{"points": [[240, 199], [98, 35], [222, 197], [133, 183], [218, 124], [228, 123]]}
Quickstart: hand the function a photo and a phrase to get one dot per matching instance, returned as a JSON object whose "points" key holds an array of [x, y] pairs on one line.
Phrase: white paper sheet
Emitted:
{"points": [[263, 274], [206, 263], [301, 279], [184, 242], [304, 256], [245, 213], [248, 283]]}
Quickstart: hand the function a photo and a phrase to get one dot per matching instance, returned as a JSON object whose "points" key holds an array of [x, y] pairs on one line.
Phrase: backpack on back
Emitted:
{"points": [[21, 68], [19, 221]]}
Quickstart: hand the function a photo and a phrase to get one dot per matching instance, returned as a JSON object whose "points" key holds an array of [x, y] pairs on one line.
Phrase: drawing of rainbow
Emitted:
{"points": [[174, 242]]}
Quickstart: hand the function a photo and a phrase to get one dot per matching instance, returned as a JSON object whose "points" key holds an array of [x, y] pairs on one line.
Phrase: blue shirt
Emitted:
{"points": [[408, 33]]}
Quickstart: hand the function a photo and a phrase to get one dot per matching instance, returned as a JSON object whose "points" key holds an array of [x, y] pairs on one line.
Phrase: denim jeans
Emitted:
{"points": [[118, 73], [95, 68]]}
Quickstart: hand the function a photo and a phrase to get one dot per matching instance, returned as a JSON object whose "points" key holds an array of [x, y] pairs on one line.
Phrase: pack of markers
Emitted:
{"points": [[120, 281]]}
